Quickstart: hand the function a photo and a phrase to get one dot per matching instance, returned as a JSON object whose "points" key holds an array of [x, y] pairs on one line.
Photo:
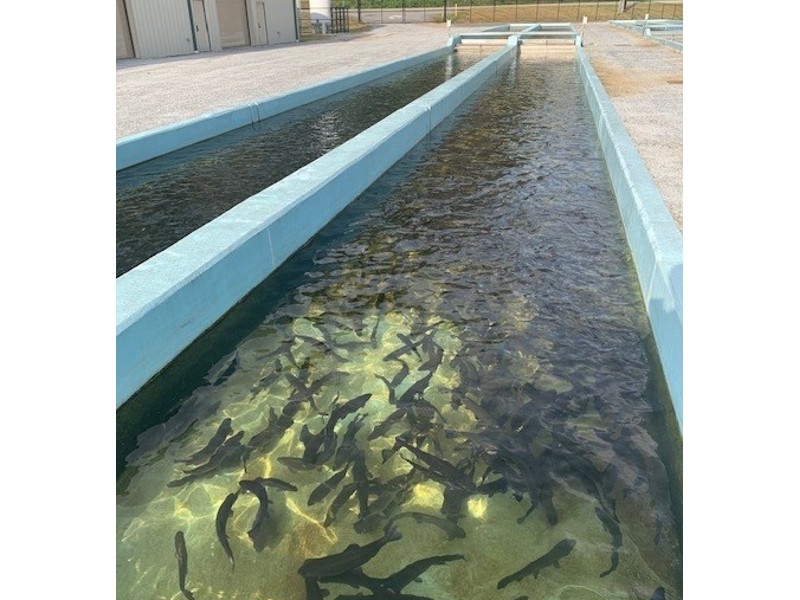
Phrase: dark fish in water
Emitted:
{"points": [[347, 449], [405, 576], [223, 514], [323, 346], [612, 527], [313, 591], [439, 468], [296, 463], [361, 477], [277, 483], [270, 378], [383, 428], [303, 393], [326, 487], [559, 551], [307, 393], [453, 502], [223, 431], [259, 491], [229, 454], [414, 391], [223, 369], [278, 424], [351, 406], [382, 595], [659, 594], [196, 409], [451, 529], [348, 559], [312, 442], [381, 509], [183, 563], [392, 586], [407, 347], [340, 500], [436, 353]]}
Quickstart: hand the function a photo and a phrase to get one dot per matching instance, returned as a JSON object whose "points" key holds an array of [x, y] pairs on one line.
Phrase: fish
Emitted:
{"points": [[436, 354], [183, 563], [340, 500], [295, 463], [351, 406], [229, 454], [384, 426], [361, 477], [659, 594], [277, 483], [439, 468], [269, 379], [551, 559], [305, 392], [348, 559], [313, 591], [451, 529], [226, 367], [259, 491], [405, 576], [414, 390], [391, 586], [612, 527], [347, 449], [223, 514], [326, 487], [223, 431], [407, 347], [382, 596], [381, 509]]}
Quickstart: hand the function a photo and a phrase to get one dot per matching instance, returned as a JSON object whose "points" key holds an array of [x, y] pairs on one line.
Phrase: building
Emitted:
{"points": [[160, 28]]}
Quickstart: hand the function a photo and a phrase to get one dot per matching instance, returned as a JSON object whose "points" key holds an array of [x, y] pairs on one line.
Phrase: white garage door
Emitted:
{"points": [[124, 44], [233, 23]]}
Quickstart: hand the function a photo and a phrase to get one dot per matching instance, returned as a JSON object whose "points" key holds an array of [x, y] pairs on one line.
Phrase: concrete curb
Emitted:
{"points": [[165, 303], [654, 240], [140, 147]]}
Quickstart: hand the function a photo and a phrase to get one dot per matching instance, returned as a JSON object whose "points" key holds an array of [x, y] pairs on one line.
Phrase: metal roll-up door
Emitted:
{"points": [[124, 42], [233, 23]]}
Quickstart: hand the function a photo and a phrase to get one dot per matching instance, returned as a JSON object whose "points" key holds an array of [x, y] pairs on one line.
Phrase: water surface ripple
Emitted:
{"points": [[455, 371], [163, 200]]}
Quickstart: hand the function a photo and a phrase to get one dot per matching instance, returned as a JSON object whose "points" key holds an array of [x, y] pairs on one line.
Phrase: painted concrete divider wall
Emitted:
{"points": [[165, 303], [140, 147], [653, 237]]}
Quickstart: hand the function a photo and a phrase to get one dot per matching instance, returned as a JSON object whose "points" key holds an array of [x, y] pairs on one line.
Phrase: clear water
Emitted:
{"points": [[163, 200], [495, 250]]}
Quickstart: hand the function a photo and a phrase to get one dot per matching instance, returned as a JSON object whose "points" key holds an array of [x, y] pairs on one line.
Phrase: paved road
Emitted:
{"points": [[643, 78]]}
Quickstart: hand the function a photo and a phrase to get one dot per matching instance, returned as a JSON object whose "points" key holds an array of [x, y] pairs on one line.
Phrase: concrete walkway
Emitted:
{"points": [[643, 78]]}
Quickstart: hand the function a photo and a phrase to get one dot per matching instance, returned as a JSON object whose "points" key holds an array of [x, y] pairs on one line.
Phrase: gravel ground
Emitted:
{"points": [[643, 78]]}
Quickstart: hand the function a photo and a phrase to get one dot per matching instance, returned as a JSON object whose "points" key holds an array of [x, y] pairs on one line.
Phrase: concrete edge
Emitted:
{"points": [[165, 303], [653, 237], [140, 147]]}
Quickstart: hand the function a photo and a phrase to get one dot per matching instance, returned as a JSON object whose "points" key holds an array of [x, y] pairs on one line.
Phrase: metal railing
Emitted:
{"points": [[498, 11]]}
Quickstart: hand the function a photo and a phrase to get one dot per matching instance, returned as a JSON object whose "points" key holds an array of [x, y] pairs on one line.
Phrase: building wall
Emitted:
{"points": [[124, 42], [160, 28]]}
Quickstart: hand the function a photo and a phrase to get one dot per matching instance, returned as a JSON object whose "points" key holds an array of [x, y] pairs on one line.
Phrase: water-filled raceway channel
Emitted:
{"points": [[452, 390]]}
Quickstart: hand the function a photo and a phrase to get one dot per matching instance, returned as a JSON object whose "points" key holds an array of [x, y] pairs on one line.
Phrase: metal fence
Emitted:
{"points": [[495, 11]]}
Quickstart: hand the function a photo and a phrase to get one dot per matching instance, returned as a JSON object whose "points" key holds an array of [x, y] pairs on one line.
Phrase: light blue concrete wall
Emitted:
{"points": [[137, 148], [653, 237], [165, 303]]}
